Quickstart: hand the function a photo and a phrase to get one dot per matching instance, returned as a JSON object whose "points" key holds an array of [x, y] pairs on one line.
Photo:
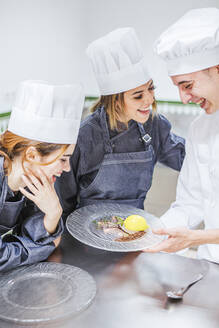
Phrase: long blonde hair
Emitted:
{"points": [[114, 111], [12, 145]]}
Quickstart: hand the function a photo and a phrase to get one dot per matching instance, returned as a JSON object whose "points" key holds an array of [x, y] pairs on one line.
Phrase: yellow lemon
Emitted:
{"points": [[135, 223]]}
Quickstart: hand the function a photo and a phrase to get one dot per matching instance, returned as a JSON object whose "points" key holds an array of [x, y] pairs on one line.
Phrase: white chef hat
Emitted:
{"points": [[192, 43], [46, 112], [118, 61]]}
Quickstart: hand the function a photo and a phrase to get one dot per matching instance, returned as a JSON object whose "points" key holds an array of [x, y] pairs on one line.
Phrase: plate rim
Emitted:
{"points": [[52, 265], [119, 249]]}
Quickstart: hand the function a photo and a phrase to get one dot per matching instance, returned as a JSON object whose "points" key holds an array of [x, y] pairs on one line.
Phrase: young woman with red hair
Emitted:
{"points": [[33, 151]]}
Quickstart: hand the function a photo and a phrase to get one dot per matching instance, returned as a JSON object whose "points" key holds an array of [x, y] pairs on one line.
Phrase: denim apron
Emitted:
{"points": [[9, 211], [122, 178]]}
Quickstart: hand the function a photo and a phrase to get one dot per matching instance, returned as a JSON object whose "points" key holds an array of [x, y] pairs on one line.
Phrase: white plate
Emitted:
{"points": [[80, 225], [43, 292]]}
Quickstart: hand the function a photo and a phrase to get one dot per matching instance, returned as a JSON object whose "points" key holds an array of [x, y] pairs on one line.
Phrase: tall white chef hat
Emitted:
{"points": [[46, 112], [192, 43], [118, 61]]}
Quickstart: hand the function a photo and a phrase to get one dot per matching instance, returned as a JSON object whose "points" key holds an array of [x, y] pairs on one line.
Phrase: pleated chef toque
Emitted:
{"points": [[118, 62], [47, 113], [192, 43]]}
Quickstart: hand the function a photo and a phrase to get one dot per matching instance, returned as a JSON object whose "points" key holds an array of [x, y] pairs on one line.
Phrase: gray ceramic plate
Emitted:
{"points": [[43, 292], [80, 225]]}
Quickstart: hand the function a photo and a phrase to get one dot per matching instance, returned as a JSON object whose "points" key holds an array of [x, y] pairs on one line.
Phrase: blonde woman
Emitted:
{"points": [[35, 150], [120, 143]]}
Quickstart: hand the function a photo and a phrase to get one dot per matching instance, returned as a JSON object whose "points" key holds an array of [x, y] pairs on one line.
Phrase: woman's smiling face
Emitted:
{"points": [[138, 101], [56, 167], [61, 164]]}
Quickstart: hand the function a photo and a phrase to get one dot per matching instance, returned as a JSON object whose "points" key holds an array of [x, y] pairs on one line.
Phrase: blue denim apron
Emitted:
{"points": [[9, 211], [122, 178]]}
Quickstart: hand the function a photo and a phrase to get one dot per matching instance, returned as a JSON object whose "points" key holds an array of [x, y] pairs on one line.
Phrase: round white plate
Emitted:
{"points": [[43, 292], [80, 225]]}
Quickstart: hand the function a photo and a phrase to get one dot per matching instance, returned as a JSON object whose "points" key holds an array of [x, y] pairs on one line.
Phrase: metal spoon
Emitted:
{"points": [[178, 294]]}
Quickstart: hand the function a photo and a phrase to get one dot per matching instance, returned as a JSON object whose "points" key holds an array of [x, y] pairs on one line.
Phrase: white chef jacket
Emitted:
{"points": [[197, 197]]}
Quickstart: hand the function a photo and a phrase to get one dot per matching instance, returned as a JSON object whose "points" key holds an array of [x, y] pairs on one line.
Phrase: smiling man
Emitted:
{"points": [[190, 48], [200, 87]]}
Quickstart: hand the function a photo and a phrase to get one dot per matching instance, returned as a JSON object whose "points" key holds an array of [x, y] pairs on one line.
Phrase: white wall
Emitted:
{"points": [[149, 18], [39, 39], [46, 39]]}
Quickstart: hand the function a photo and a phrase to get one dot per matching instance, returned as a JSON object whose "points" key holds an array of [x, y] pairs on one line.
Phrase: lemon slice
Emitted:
{"points": [[135, 223]]}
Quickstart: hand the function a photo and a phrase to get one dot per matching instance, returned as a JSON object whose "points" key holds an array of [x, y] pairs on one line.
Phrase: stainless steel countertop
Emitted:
{"points": [[131, 289]]}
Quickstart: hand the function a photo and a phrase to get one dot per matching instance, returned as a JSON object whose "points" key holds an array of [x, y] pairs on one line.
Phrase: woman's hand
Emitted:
{"points": [[43, 194]]}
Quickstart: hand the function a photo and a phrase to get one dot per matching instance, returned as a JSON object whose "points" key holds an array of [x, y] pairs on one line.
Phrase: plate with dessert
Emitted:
{"points": [[114, 227]]}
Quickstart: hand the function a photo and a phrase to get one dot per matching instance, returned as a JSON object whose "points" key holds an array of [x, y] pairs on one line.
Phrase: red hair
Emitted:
{"points": [[12, 145]]}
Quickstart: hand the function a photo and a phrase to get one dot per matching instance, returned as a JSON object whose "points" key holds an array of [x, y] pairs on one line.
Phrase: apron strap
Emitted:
{"points": [[146, 137], [3, 183], [105, 130]]}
